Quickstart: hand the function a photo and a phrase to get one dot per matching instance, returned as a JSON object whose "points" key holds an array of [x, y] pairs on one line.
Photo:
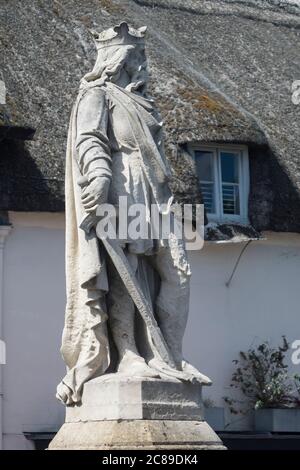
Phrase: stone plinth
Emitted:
{"points": [[133, 398], [136, 435], [132, 413]]}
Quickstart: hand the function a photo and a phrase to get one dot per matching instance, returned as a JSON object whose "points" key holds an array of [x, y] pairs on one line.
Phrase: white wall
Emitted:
{"points": [[262, 302], [34, 297]]}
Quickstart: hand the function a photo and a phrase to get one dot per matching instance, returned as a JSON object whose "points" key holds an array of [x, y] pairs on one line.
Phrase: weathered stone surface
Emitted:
{"points": [[136, 435], [115, 151], [112, 398]]}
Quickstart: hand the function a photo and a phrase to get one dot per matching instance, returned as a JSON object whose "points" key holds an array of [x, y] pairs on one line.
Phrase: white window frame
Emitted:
{"points": [[244, 182]]}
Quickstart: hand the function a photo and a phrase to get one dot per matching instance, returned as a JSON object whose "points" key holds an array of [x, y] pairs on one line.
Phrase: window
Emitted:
{"points": [[223, 173]]}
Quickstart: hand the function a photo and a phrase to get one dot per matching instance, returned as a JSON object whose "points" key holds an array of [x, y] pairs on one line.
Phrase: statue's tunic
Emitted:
{"points": [[123, 122], [113, 133]]}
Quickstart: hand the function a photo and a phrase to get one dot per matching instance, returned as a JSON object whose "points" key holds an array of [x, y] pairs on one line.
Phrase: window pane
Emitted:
{"points": [[205, 170], [207, 191], [230, 167], [204, 162], [231, 198], [230, 182]]}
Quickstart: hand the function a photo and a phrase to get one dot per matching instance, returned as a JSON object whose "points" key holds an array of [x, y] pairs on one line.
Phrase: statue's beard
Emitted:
{"points": [[139, 79]]}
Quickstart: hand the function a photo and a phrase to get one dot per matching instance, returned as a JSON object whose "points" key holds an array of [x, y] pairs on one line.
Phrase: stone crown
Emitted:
{"points": [[120, 35]]}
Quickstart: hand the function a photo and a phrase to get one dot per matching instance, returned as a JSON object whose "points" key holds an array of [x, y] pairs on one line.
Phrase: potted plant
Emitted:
{"points": [[261, 376], [214, 415]]}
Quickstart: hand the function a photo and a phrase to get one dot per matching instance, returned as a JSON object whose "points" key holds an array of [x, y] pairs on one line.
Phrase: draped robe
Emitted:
{"points": [[117, 134]]}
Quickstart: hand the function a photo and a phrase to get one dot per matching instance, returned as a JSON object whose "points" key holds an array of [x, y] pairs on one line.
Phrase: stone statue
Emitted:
{"points": [[115, 148], [127, 385]]}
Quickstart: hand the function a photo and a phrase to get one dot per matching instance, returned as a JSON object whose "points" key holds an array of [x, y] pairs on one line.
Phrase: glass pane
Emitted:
{"points": [[205, 171], [204, 162], [208, 195], [230, 182], [230, 167], [231, 199]]}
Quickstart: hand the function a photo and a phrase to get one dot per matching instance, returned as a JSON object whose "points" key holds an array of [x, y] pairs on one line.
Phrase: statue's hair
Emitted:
{"points": [[108, 66]]}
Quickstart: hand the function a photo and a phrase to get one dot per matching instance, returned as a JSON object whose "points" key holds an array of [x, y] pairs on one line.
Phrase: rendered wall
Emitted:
{"points": [[262, 302]]}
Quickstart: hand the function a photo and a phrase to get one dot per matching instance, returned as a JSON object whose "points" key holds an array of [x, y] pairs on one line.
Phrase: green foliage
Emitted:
{"points": [[296, 378], [261, 375]]}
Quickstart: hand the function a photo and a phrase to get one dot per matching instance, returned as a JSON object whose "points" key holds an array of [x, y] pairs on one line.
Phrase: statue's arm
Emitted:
{"points": [[92, 145]]}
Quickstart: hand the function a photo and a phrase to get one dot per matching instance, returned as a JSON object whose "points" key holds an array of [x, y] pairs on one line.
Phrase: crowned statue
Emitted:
{"points": [[127, 384], [127, 299]]}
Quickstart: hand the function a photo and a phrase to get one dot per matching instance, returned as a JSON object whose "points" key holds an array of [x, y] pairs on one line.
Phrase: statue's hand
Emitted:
{"points": [[95, 193]]}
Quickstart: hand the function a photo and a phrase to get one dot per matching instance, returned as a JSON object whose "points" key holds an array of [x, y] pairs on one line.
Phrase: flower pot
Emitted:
{"points": [[277, 419], [214, 416]]}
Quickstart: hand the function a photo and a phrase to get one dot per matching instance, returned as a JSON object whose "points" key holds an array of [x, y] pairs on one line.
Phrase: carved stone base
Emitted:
{"points": [[113, 397], [131, 413]]}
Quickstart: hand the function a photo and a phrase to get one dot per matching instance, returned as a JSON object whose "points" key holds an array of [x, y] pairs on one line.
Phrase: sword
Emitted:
{"points": [[128, 277]]}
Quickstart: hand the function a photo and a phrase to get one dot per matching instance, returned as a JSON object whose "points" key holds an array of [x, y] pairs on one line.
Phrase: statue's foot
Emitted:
{"points": [[133, 365], [187, 374], [191, 370], [64, 394]]}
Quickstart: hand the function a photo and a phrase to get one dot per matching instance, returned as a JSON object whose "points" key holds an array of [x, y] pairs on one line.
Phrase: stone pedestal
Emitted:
{"points": [[131, 413]]}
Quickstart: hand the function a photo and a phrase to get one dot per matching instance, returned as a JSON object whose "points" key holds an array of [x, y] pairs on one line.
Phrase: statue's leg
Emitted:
{"points": [[121, 313], [172, 303]]}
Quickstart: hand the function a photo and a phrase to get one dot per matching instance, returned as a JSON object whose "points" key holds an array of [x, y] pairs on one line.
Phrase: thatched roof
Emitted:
{"points": [[9, 128], [221, 72]]}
